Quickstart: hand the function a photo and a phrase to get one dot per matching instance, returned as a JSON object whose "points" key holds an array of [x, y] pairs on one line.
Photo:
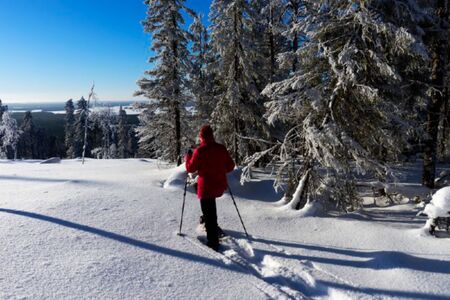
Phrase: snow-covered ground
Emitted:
{"points": [[107, 230]]}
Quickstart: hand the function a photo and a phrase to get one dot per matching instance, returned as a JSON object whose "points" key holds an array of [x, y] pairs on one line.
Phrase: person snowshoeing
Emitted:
{"points": [[212, 162]]}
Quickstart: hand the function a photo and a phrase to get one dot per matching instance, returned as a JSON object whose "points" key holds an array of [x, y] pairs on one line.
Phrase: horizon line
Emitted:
{"points": [[63, 101]]}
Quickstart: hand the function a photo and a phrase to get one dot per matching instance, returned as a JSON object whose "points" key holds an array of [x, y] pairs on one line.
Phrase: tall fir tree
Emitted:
{"points": [[444, 127], [346, 101], [10, 135], [122, 135], [103, 133], [27, 142], [439, 48], [80, 119], [238, 109], [70, 129], [3, 108], [294, 15], [270, 40], [161, 130], [201, 80], [132, 145], [44, 144]]}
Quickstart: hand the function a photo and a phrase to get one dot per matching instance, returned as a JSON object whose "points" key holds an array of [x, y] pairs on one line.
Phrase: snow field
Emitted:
{"points": [[107, 229], [101, 231]]}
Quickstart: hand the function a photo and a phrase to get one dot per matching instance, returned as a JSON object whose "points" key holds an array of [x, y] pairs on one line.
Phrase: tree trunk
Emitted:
{"points": [[304, 194], [235, 141], [176, 100], [272, 45], [299, 197], [295, 42], [178, 134], [236, 79], [291, 182], [444, 128], [439, 48], [85, 133]]}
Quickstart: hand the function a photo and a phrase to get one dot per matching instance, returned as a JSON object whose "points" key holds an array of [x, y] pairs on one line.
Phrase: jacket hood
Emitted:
{"points": [[206, 134]]}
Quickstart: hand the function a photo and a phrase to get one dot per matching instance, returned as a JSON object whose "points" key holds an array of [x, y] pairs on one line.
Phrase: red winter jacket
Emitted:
{"points": [[213, 162]]}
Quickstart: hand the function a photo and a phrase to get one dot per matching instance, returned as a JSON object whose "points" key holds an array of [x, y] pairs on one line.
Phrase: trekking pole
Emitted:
{"points": [[240, 218], [182, 207]]}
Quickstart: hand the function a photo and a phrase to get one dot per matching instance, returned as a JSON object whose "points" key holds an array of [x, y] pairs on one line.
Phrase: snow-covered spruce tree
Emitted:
{"points": [[345, 102], [111, 121], [295, 12], [161, 130], [439, 48], [444, 126], [271, 26], [27, 142], [70, 129], [80, 119], [105, 123], [86, 151], [237, 113], [132, 145], [122, 135], [201, 80], [3, 108], [10, 134]]}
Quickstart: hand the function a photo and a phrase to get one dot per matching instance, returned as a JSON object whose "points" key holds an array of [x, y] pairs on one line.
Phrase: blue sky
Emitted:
{"points": [[52, 50]]}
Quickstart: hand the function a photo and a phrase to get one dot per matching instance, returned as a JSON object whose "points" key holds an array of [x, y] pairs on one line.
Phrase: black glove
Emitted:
{"points": [[189, 152]]}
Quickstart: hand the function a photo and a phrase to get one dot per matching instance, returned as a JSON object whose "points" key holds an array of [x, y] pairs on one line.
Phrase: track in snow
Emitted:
{"points": [[271, 275]]}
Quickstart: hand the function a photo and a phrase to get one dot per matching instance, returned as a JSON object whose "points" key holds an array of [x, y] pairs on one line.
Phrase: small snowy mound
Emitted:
{"points": [[440, 204], [177, 178], [53, 160], [311, 209], [438, 207]]}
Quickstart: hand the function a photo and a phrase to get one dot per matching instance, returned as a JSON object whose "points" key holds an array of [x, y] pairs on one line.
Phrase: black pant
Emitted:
{"points": [[210, 216]]}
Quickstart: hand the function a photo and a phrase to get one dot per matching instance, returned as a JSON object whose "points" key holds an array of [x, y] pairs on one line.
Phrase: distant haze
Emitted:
{"points": [[59, 106]]}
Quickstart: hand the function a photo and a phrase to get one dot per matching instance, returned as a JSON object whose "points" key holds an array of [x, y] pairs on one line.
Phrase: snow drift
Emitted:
{"points": [[439, 205], [177, 178]]}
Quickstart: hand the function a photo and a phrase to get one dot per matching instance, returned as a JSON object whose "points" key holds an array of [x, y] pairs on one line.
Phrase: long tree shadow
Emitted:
{"points": [[377, 260], [408, 218], [123, 239], [387, 293], [43, 179]]}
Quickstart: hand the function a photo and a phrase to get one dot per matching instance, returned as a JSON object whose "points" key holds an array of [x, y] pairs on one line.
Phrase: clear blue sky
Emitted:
{"points": [[52, 50]]}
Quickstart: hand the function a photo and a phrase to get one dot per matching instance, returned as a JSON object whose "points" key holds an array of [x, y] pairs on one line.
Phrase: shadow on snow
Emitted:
{"points": [[42, 179], [376, 260], [123, 239]]}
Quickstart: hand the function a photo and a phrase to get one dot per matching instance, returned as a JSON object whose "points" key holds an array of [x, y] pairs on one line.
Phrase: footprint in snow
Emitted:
{"points": [[297, 279]]}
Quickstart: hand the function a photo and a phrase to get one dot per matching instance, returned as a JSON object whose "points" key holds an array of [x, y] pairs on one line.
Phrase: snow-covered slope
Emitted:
{"points": [[107, 230]]}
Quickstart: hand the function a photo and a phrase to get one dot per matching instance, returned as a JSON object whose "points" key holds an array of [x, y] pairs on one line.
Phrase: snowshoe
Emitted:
{"points": [[214, 246], [202, 229], [204, 240], [221, 234]]}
